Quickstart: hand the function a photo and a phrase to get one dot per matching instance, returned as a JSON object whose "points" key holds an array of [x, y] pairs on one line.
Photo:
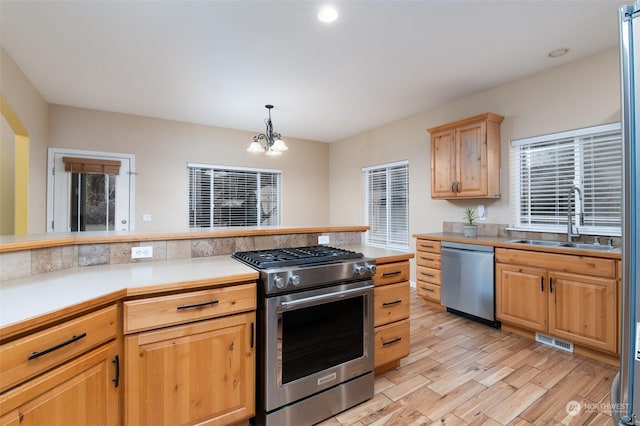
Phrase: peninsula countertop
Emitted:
{"points": [[27, 302]]}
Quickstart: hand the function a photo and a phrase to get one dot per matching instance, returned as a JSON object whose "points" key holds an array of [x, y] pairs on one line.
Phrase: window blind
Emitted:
{"points": [[221, 196], [387, 205], [546, 168]]}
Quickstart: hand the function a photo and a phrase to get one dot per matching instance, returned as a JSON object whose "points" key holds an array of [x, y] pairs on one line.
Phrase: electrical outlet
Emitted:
{"points": [[323, 239], [141, 252]]}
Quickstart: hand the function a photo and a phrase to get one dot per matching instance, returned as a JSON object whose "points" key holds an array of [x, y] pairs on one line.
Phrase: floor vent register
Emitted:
{"points": [[556, 343]]}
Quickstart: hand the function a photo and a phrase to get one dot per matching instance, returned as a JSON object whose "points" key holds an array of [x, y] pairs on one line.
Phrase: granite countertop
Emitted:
{"points": [[504, 242], [31, 301]]}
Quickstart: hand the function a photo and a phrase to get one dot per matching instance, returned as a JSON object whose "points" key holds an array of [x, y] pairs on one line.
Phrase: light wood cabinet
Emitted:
{"points": [[80, 392], [521, 297], [465, 158], [583, 310], [201, 369], [580, 308], [391, 314], [66, 374], [428, 271]]}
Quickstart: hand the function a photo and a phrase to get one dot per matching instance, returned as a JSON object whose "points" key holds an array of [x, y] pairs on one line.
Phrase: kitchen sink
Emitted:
{"points": [[537, 242], [583, 246], [586, 246]]}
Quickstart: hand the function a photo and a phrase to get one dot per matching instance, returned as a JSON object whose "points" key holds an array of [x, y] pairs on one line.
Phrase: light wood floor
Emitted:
{"points": [[460, 372]]}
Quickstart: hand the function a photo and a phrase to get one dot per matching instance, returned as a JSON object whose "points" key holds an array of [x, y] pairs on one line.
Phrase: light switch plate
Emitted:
{"points": [[323, 239], [482, 214]]}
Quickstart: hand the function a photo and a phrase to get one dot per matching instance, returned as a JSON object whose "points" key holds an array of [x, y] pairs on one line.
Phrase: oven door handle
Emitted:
{"points": [[313, 300]]}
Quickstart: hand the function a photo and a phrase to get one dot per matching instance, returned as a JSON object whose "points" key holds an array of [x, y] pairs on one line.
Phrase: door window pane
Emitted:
{"points": [[93, 202]]}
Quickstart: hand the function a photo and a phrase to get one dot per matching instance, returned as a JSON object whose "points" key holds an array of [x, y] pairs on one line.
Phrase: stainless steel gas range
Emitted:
{"points": [[315, 333]]}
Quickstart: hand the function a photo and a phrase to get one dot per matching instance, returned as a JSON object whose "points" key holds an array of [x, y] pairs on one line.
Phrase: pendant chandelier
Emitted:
{"points": [[273, 145]]}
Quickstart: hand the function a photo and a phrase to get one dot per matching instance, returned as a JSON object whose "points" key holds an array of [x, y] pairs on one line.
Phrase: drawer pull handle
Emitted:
{"points": [[395, 302], [198, 305], [391, 274], [392, 341], [116, 379], [75, 338], [427, 275], [428, 259], [428, 289], [426, 246]]}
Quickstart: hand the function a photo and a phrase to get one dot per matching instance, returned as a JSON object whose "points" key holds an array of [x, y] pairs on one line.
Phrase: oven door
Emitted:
{"points": [[315, 340]]}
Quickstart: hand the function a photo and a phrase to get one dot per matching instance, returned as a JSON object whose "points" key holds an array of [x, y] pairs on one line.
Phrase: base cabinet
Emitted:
{"points": [[83, 391], [582, 309], [428, 260], [199, 372], [391, 314]]}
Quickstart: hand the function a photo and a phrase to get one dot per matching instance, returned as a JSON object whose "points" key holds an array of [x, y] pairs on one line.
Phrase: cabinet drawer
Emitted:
{"points": [[391, 342], [391, 303], [430, 260], [428, 291], [430, 246], [389, 273], [26, 357], [428, 275], [163, 311]]}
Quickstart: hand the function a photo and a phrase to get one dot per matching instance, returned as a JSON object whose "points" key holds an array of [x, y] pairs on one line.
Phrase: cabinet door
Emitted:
{"points": [[79, 392], [521, 296], [583, 310], [197, 372], [471, 145], [443, 164]]}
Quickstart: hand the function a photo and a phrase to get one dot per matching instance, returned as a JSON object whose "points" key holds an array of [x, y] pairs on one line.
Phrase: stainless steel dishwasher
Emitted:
{"points": [[467, 280]]}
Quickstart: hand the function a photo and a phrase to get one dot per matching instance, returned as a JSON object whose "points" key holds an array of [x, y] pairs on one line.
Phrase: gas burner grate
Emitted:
{"points": [[271, 258]]}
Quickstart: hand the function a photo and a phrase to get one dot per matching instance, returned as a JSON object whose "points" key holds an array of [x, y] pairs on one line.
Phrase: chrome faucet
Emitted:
{"points": [[570, 195]]}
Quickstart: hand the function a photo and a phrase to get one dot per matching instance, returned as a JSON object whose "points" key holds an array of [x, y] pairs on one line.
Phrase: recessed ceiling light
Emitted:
{"points": [[328, 14], [556, 53]]}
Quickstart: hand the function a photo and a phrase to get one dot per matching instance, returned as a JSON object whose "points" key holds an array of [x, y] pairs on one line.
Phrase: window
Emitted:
{"points": [[387, 205], [226, 196], [546, 168]]}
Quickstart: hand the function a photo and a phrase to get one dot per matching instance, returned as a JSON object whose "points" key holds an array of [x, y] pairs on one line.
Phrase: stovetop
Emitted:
{"points": [[294, 269], [295, 256]]}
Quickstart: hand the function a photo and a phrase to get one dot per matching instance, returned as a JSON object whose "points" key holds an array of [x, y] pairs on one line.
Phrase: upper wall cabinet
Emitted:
{"points": [[465, 158]]}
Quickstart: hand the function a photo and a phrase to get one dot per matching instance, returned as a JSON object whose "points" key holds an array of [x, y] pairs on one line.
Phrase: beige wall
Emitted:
{"points": [[580, 94], [321, 183], [163, 148], [32, 110]]}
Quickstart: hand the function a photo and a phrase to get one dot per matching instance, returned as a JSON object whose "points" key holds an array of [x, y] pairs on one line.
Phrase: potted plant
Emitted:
{"points": [[470, 229]]}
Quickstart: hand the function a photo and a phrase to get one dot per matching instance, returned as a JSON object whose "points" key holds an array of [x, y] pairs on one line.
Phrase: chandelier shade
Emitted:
{"points": [[273, 143]]}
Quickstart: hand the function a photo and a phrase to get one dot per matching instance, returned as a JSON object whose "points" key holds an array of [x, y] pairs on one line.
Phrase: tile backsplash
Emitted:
{"points": [[18, 264]]}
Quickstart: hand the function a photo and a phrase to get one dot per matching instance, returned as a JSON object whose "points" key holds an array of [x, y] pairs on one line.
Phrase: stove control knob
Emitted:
{"points": [[278, 281], [294, 279], [370, 268], [358, 269]]}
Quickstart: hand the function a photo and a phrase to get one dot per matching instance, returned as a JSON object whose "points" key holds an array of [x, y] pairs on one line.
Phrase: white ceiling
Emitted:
{"points": [[219, 62]]}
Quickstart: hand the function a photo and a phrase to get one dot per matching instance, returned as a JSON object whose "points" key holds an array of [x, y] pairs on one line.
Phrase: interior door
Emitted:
{"points": [[89, 201]]}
